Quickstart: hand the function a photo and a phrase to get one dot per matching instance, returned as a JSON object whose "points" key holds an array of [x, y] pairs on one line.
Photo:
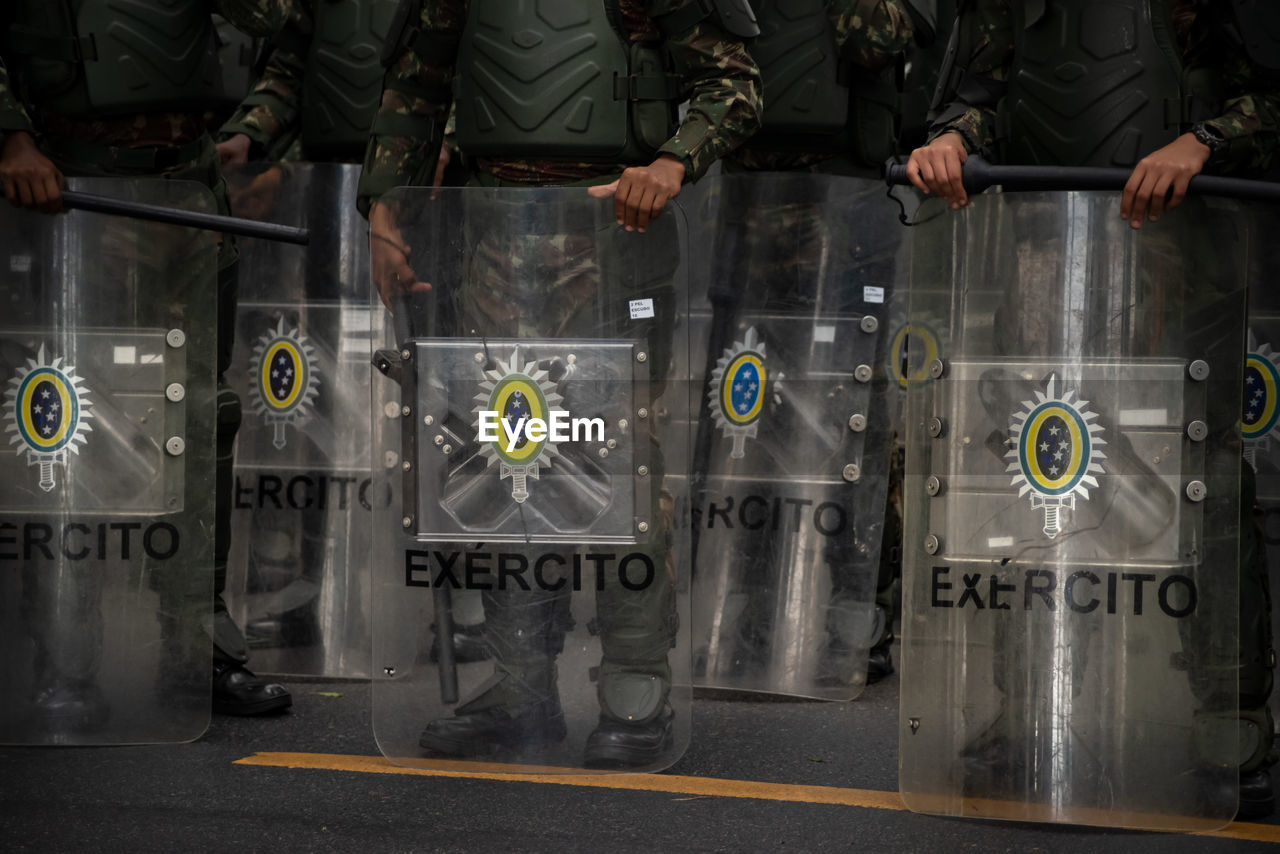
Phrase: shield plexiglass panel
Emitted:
{"points": [[299, 573], [528, 433], [1073, 508], [108, 355], [791, 435]]}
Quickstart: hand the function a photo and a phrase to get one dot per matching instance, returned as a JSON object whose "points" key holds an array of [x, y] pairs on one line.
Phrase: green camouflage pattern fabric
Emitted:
{"points": [[270, 115], [722, 84], [869, 33], [1250, 118], [254, 17]]}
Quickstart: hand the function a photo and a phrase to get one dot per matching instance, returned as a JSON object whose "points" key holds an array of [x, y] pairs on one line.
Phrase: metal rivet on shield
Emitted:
{"points": [[1197, 491], [933, 486], [851, 473], [428, 420], [405, 354], [643, 471], [405, 410], [1197, 431], [611, 444], [439, 440], [175, 338], [175, 392], [1199, 370], [643, 527], [448, 449], [932, 544], [406, 466], [869, 324], [391, 410], [642, 357], [604, 452], [914, 723], [479, 357], [862, 373], [937, 427], [175, 446], [642, 413], [406, 522], [937, 369], [858, 422], [390, 671], [622, 425]]}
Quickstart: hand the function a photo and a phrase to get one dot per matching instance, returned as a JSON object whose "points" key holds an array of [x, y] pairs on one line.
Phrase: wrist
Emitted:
{"points": [[1208, 140]]}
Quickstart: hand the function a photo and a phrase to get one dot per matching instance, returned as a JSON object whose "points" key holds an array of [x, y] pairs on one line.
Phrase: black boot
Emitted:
{"points": [[496, 729], [622, 744], [1257, 800], [236, 691], [71, 706], [880, 663]]}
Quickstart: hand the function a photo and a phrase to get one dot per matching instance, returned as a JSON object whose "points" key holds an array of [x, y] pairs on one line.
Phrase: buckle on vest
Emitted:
{"points": [[645, 87]]}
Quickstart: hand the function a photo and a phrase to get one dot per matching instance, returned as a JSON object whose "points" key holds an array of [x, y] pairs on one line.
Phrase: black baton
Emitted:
{"points": [[77, 200]]}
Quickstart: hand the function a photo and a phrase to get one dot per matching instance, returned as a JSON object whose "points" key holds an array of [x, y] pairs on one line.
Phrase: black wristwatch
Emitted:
{"points": [[1211, 139]]}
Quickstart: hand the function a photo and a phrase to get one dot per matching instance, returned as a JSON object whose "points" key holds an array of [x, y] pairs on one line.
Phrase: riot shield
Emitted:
{"points": [[529, 419], [791, 447], [108, 356], [299, 568], [1073, 509]]}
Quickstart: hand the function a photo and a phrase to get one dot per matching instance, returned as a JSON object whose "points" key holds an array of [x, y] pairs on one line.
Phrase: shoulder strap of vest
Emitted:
{"points": [[948, 65], [735, 16]]}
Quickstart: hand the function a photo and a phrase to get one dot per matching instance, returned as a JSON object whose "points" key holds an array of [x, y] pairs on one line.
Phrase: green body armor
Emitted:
{"points": [[1097, 84], [813, 100], [89, 58], [559, 79], [343, 82]]}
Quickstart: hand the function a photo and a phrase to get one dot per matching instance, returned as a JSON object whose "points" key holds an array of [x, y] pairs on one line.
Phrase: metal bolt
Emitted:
{"points": [[175, 446], [406, 522], [933, 486], [870, 324], [405, 354], [448, 449], [406, 466], [1196, 491], [604, 452], [622, 424], [642, 413], [862, 373], [643, 527], [932, 544], [937, 428], [1197, 431], [643, 471], [405, 410], [428, 420], [1199, 370], [479, 357], [390, 671], [175, 338], [391, 410], [439, 440], [914, 724], [175, 392], [937, 369], [858, 422], [851, 473], [642, 356], [611, 443]]}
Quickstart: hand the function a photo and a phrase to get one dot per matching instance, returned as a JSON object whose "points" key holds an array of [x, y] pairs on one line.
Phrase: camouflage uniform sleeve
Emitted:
{"points": [[405, 139], [13, 116], [870, 33], [722, 83], [270, 112], [985, 52], [1250, 122], [257, 18]]}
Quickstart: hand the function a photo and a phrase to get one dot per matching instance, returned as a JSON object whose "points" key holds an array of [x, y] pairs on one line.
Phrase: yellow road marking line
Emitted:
{"points": [[667, 783]]}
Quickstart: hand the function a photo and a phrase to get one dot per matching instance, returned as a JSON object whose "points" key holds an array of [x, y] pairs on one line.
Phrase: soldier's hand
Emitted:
{"points": [[234, 152], [389, 256], [1162, 172], [30, 179], [643, 191], [257, 199], [937, 169]]}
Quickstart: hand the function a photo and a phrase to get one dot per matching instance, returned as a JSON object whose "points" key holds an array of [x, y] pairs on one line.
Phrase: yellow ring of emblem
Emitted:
{"points": [[299, 382], [1267, 420], [726, 389], [537, 409], [65, 395], [1072, 467], [930, 354]]}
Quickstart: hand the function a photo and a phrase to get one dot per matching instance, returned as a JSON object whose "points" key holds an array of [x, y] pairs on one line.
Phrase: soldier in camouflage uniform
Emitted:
{"points": [[869, 38], [712, 69], [1229, 123], [50, 129]]}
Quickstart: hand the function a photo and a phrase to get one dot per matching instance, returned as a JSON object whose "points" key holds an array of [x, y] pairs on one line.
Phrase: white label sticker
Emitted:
{"points": [[999, 542], [824, 334], [125, 355], [871, 293], [641, 308]]}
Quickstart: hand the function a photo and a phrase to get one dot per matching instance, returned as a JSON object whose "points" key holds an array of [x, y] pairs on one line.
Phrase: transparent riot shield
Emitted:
{"points": [[528, 422], [790, 435], [107, 351], [1073, 510], [299, 568]]}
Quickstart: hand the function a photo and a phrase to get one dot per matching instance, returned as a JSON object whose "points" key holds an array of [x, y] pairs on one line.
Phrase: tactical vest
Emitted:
{"points": [[560, 79], [85, 58], [237, 54], [814, 101], [342, 86], [1097, 84]]}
